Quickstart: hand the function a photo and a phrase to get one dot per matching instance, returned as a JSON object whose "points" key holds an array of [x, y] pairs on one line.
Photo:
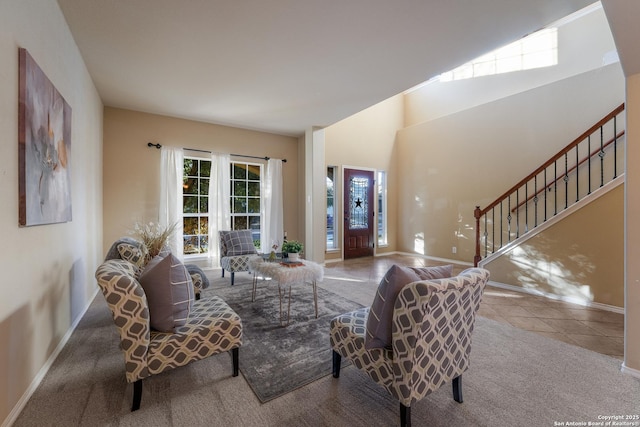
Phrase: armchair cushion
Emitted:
{"points": [[238, 242], [381, 315], [169, 290]]}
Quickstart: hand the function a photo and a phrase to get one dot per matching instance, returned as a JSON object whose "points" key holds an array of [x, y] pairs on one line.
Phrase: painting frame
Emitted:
{"points": [[44, 148]]}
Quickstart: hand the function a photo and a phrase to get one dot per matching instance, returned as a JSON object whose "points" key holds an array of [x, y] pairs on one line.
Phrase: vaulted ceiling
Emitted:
{"points": [[283, 66]]}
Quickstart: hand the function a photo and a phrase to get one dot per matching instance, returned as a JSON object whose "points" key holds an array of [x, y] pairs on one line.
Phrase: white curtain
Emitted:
{"points": [[219, 203], [273, 225], [171, 165]]}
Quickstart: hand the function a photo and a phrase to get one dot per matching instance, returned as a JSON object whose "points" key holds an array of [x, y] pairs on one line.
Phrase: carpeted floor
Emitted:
{"points": [[516, 378]]}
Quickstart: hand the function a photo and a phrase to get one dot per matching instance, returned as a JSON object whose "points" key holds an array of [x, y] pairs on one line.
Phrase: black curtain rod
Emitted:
{"points": [[158, 146]]}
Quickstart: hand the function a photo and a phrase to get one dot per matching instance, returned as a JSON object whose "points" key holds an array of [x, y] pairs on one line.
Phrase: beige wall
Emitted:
{"points": [[580, 257], [132, 169], [368, 140], [632, 227], [47, 271], [451, 164], [583, 45]]}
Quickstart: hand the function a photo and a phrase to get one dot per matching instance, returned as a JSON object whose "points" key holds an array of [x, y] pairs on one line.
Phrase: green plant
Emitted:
{"points": [[292, 247]]}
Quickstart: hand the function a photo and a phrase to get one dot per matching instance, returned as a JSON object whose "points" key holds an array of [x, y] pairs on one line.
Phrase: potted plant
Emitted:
{"points": [[292, 248]]}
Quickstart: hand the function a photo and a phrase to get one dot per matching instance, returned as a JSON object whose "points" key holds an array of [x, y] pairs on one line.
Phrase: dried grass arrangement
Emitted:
{"points": [[154, 236]]}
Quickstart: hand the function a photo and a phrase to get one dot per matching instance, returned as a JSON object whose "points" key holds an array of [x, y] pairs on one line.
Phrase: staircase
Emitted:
{"points": [[588, 165]]}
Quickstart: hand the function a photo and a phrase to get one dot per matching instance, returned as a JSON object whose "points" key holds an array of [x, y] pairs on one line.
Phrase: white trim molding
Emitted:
{"points": [[549, 295], [629, 371]]}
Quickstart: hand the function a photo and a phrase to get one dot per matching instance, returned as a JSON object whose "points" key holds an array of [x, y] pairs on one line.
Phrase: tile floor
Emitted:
{"points": [[597, 330]]}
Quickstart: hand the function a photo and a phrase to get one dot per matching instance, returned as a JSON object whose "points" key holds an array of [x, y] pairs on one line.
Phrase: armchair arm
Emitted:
{"points": [[128, 305]]}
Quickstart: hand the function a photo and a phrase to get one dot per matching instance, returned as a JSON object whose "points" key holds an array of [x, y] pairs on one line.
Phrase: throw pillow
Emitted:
{"points": [[131, 253], [239, 242], [380, 320], [430, 273], [169, 290]]}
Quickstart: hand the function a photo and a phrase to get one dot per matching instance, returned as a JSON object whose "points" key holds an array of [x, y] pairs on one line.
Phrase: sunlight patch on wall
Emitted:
{"points": [[539, 273], [418, 243]]}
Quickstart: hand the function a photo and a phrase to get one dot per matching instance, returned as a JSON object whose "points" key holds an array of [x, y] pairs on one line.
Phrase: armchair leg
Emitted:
{"points": [[235, 352], [223, 272], [336, 364], [137, 395], [457, 389], [405, 416], [232, 277]]}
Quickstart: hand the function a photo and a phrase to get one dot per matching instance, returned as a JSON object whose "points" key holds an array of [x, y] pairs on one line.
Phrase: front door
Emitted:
{"points": [[359, 210]]}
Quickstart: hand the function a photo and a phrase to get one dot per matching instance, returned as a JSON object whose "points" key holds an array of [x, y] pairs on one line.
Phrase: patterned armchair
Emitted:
{"points": [[212, 327], [133, 250], [236, 248], [431, 338]]}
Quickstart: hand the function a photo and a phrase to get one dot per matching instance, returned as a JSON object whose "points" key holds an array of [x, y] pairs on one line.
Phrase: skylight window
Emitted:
{"points": [[537, 50]]}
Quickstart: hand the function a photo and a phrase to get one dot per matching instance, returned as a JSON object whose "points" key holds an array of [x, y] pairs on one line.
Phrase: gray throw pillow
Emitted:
{"points": [[380, 320], [239, 242], [169, 290], [438, 272]]}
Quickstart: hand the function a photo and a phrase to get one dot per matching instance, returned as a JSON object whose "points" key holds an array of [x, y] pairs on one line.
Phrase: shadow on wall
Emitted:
{"points": [[77, 289], [16, 338], [53, 305], [539, 267]]}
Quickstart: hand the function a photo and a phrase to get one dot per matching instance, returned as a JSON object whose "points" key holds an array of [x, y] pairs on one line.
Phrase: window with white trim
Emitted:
{"points": [[331, 208], [195, 205], [536, 50], [246, 198], [382, 208]]}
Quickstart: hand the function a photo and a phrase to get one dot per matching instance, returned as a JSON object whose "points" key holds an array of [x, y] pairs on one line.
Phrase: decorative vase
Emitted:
{"points": [[294, 256]]}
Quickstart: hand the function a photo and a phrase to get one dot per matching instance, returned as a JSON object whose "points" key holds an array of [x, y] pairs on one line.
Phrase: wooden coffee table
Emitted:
{"points": [[287, 274]]}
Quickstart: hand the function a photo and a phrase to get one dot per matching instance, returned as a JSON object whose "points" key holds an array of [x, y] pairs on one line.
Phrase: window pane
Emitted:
{"points": [[204, 187], [190, 225], [204, 225], [204, 204], [189, 204], [254, 172], [205, 168], [190, 167], [254, 206], [240, 223], [204, 244], [190, 185], [239, 205], [190, 245], [239, 188], [239, 171], [253, 189]]}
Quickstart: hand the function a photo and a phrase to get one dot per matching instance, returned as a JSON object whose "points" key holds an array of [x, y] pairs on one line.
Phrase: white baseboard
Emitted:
{"points": [[433, 258], [572, 300], [630, 371], [17, 409]]}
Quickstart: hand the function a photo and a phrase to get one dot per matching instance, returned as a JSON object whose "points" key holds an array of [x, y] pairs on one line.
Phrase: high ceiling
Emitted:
{"points": [[284, 66]]}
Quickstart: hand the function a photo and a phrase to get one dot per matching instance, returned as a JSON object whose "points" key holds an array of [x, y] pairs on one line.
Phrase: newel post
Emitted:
{"points": [[477, 213]]}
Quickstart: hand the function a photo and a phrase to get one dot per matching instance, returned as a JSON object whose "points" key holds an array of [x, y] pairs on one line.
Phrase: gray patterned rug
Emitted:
{"points": [[276, 360]]}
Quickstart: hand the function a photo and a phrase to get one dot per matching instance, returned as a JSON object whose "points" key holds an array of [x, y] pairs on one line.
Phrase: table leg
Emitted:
{"points": [[255, 285], [280, 291], [315, 296]]}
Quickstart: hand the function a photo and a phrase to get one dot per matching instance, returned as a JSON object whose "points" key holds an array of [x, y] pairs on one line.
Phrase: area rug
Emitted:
{"points": [[276, 360]]}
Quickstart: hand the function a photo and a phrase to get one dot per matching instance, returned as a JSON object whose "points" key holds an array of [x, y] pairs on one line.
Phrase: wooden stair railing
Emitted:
{"points": [[571, 169], [609, 120]]}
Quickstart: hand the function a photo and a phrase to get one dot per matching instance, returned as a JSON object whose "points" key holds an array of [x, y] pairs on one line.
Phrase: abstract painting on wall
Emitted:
{"points": [[44, 148]]}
